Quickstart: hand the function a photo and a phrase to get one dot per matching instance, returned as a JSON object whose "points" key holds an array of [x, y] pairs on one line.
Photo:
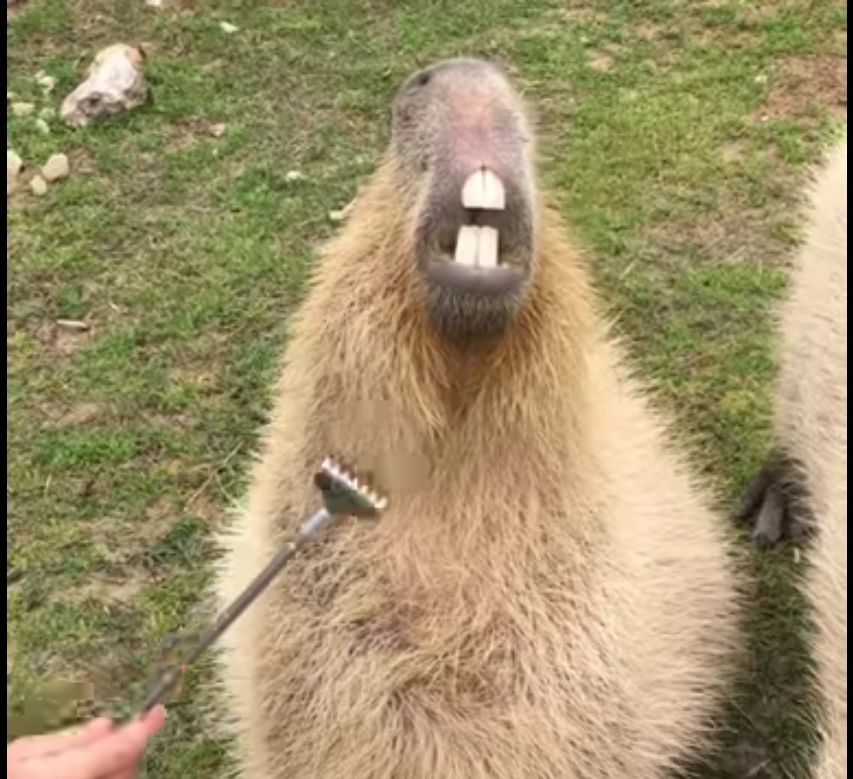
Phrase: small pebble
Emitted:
{"points": [[13, 167], [57, 167], [154, 3], [218, 130], [14, 163], [23, 109], [46, 82], [38, 185], [293, 175], [227, 27], [336, 216]]}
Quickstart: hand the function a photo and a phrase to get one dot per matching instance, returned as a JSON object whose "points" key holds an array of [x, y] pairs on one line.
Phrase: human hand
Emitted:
{"points": [[99, 750]]}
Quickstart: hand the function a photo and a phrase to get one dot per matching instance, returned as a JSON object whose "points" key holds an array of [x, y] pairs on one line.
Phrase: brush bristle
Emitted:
{"points": [[344, 476]]}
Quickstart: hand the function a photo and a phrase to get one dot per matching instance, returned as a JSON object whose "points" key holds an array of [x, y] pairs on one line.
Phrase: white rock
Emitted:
{"points": [[336, 216], [56, 168], [13, 167], [42, 126], [115, 83], [13, 163], [293, 175], [23, 109], [218, 130], [227, 27], [38, 185], [154, 3], [46, 82]]}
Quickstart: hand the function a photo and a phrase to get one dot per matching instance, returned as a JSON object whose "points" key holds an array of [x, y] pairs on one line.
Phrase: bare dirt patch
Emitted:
{"points": [[648, 31], [733, 151], [160, 517], [731, 235], [581, 13], [118, 586], [601, 61], [82, 162], [64, 339], [119, 542], [79, 415], [799, 85], [210, 508], [14, 7], [186, 135], [203, 377]]}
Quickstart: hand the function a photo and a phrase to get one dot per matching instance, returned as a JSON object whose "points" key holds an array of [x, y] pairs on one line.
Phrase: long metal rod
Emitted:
{"points": [[172, 675]]}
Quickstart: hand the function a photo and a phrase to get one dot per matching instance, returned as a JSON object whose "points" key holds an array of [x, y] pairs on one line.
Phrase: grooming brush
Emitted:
{"points": [[342, 495]]}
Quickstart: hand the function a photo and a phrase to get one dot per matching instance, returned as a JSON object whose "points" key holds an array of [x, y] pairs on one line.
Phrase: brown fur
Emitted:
{"points": [[812, 428], [548, 594]]}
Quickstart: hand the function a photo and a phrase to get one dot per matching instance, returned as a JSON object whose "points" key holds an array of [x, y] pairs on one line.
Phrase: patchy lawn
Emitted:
{"points": [[674, 134]]}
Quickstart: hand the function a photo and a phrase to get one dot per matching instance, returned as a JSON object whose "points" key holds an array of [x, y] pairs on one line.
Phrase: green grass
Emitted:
{"points": [[674, 135]]}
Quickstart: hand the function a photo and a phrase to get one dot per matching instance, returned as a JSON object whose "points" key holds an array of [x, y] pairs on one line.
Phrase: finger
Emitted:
{"points": [[32, 746], [129, 773], [154, 719], [111, 754], [115, 752]]}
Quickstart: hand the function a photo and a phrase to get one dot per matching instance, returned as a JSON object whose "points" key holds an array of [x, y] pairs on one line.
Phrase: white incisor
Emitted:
{"points": [[477, 246], [483, 189]]}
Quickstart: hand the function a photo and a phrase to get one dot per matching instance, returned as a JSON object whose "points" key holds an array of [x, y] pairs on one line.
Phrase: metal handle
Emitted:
{"points": [[172, 675]]}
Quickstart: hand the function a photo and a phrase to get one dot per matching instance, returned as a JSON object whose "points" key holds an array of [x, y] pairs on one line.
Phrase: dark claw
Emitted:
{"points": [[322, 480], [771, 518], [773, 504]]}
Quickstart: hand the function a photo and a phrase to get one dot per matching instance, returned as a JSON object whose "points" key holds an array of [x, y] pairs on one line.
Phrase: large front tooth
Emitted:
{"points": [[466, 245], [483, 189], [487, 247]]}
